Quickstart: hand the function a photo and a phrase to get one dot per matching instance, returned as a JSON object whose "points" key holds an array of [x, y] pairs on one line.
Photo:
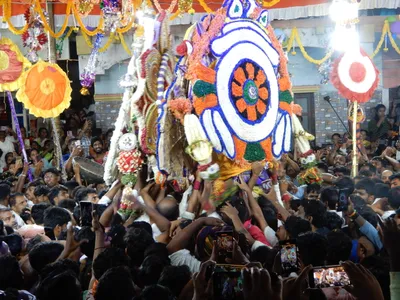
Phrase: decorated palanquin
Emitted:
{"points": [[226, 102], [232, 91]]}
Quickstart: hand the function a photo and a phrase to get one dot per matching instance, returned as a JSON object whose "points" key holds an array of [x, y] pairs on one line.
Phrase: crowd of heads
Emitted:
{"points": [[167, 242]]}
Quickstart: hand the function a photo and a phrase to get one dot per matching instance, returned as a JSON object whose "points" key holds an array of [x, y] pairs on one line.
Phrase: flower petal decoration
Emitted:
{"points": [[46, 90], [355, 76], [12, 65]]}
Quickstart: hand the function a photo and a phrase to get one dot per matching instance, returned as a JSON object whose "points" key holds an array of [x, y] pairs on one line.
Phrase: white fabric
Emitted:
{"points": [[387, 214], [19, 220], [188, 216], [182, 258], [398, 155], [215, 215], [270, 235], [184, 203], [105, 200], [278, 194], [6, 146], [145, 218], [256, 245]]}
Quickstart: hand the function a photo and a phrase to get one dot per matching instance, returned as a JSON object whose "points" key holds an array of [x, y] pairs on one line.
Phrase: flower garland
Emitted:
{"points": [[34, 38], [46, 25], [170, 9], [204, 5], [270, 3], [123, 43], [89, 75], [104, 47]]}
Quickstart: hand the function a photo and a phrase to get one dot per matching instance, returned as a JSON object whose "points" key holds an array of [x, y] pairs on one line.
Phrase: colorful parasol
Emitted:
{"points": [[12, 65], [355, 76], [46, 90]]}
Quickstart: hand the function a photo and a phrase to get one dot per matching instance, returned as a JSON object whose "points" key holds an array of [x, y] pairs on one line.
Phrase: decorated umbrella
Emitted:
{"points": [[356, 78], [46, 92], [12, 65]]}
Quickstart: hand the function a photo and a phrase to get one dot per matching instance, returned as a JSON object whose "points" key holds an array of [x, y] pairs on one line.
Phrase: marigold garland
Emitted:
{"points": [[46, 25], [204, 5], [123, 43], [105, 46]]}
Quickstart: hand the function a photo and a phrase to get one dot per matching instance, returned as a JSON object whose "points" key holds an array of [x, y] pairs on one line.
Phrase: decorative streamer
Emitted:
{"points": [[20, 140], [89, 75]]}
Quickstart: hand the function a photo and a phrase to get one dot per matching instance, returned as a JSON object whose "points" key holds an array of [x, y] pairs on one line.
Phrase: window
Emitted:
{"points": [[306, 101]]}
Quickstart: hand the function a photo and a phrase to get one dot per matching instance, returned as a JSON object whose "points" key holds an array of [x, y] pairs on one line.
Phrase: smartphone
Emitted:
{"points": [[86, 213], [228, 282], [77, 143], [328, 276], [27, 143], [3, 128], [343, 201], [225, 245], [289, 256], [18, 161]]}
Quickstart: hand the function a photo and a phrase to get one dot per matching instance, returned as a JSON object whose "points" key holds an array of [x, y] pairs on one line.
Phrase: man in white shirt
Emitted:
{"points": [[6, 146]]}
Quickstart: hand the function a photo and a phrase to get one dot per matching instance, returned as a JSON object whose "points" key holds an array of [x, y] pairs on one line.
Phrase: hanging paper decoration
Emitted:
{"points": [[34, 38], [89, 73], [46, 90], [12, 64], [355, 76]]}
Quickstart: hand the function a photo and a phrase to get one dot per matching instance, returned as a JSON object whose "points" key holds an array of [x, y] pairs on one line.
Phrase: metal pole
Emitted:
{"points": [[355, 148]]}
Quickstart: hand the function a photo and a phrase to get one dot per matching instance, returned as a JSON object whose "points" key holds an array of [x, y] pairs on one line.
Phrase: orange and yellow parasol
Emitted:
{"points": [[12, 65], [46, 90]]}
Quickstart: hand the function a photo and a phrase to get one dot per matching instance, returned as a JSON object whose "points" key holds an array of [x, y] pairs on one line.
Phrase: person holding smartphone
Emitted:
{"points": [[6, 145]]}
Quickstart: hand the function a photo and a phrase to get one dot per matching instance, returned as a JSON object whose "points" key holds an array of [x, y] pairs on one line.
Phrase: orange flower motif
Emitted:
{"points": [[249, 91]]}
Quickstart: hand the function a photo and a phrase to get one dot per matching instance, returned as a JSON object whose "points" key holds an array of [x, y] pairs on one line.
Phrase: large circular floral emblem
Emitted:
{"points": [[249, 90], [46, 90]]}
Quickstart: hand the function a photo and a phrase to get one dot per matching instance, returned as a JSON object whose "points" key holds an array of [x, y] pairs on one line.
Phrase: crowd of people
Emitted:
{"points": [[167, 246]]}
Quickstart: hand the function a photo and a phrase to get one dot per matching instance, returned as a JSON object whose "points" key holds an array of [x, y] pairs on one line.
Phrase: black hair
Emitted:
{"points": [[333, 220], [265, 256], [339, 247], [270, 217], [323, 166], [43, 254], [357, 201], [54, 216], [43, 128], [54, 191], [296, 225], [380, 268], [60, 266], [150, 270], [365, 174], [345, 171], [116, 283], [12, 200], [381, 190], [175, 278], [316, 210], [158, 249], [313, 187], [82, 194], [156, 291], [116, 234], [367, 185], [383, 161], [330, 196], [41, 190], [368, 214], [71, 185], [25, 215], [394, 197], [142, 225], [35, 183], [377, 180], [14, 242], [109, 258], [53, 171], [394, 176], [377, 108], [11, 275], [5, 191], [312, 248], [37, 212], [96, 139], [65, 281], [137, 240], [77, 215], [68, 204], [345, 182], [335, 134], [86, 233], [33, 242]]}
